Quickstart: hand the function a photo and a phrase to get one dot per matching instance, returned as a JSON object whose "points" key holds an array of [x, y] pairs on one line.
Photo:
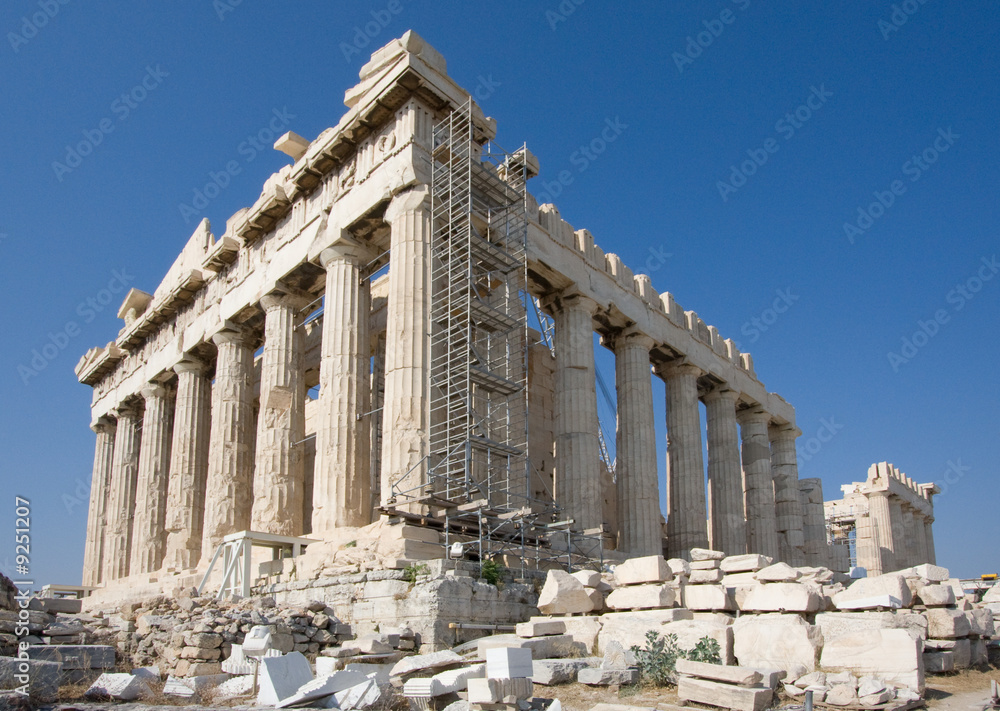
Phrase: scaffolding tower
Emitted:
{"points": [[478, 471]]}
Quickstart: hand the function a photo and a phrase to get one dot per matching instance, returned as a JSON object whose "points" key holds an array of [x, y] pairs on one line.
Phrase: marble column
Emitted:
{"points": [[279, 474], [918, 531], [342, 479], [880, 518], [762, 532], [687, 525], [377, 399], [121, 496], [406, 412], [899, 552], [639, 532], [149, 537], [929, 540], [188, 466], [229, 483], [100, 481], [727, 518], [578, 452], [787, 501]]}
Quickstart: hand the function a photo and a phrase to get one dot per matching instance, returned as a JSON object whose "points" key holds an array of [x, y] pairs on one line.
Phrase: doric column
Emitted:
{"points": [[919, 538], [880, 518], [406, 412], [687, 525], [787, 504], [377, 398], [121, 497], [817, 548], [899, 543], [727, 519], [279, 474], [149, 536], [188, 466], [929, 540], [762, 532], [639, 532], [229, 483], [100, 481], [578, 452], [342, 479]]}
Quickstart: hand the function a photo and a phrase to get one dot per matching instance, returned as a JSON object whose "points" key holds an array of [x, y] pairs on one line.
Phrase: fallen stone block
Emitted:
{"points": [[749, 562], [690, 632], [834, 624], [563, 594], [778, 641], [280, 677], [931, 573], [981, 623], [963, 653], [936, 595], [378, 672], [705, 576], [588, 578], [549, 672], [841, 695], [64, 605], [189, 687], [979, 652], [41, 678], [499, 691], [778, 573], [641, 597], [706, 565], [373, 644], [322, 687], [706, 554], [508, 663], [454, 680], [781, 597], [943, 623], [868, 685], [234, 687], [740, 676], [713, 693], [893, 655], [365, 695], [707, 598], [122, 687], [540, 628], [75, 656], [870, 590], [841, 677], [629, 628], [877, 699], [679, 567], [648, 569], [939, 661], [434, 660], [993, 594], [583, 629], [595, 676]]}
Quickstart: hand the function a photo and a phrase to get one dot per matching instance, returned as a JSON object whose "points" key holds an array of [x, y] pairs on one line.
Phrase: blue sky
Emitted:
{"points": [[746, 137]]}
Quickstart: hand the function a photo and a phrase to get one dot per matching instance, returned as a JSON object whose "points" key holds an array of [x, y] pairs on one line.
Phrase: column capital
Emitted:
{"points": [[783, 431], [190, 365], [753, 415], [569, 298], [231, 334], [103, 425], [345, 248], [282, 299], [722, 392], [632, 336], [676, 368], [128, 408], [153, 390], [417, 198]]}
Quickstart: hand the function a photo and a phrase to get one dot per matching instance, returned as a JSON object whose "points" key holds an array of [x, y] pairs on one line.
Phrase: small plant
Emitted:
{"points": [[351, 544], [657, 662], [411, 572], [490, 572]]}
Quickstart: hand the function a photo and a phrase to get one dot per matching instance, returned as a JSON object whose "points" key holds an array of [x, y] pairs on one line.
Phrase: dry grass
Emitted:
{"points": [[944, 685], [581, 697]]}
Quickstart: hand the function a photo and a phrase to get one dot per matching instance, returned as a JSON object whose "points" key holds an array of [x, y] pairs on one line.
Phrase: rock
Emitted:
{"points": [[834, 624], [706, 554], [774, 640], [781, 597], [931, 573], [499, 691], [981, 623], [705, 565], [236, 686], [629, 628], [865, 593], [641, 597], [745, 563], [280, 677], [540, 627], [434, 660], [778, 573], [508, 662], [690, 632], [550, 672], [841, 695], [713, 693], [705, 576], [679, 566], [454, 680], [595, 676], [204, 640], [583, 629], [979, 652], [373, 644], [588, 578], [882, 697], [993, 594], [936, 595], [741, 676], [962, 652], [868, 685], [892, 654], [322, 687], [550, 646], [947, 624], [707, 597], [563, 594], [648, 569], [75, 656], [42, 677], [816, 678], [363, 696], [121, 687]]}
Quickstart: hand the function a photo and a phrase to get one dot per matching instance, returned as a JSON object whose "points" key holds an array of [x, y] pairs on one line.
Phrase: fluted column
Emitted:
{"points": [[639, 532], [899, 553], [917, 531], [727, 518], [279, 474], [880, 518], [687, 525], [121, 497], [406, 412], [762, 533], [149, 537], [188, 466], [578, 452], [229, 483], [100, 481], [787, 502], [342, 480], [929, 540]]}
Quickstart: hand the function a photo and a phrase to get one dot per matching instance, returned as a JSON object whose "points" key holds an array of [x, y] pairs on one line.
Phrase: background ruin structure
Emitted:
{"points": [[393, 265]]}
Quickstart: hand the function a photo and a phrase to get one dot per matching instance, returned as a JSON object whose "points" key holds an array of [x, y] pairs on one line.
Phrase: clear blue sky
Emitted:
{"points": [[872, 97]]}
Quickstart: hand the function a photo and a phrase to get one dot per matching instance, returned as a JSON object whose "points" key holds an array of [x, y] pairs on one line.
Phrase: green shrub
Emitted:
{"points": [[411, 572], [490, 572], [657, 662]]}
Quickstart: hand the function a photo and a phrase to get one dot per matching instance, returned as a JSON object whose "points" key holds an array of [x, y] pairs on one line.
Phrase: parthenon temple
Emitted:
{"points": [[397, 330]]}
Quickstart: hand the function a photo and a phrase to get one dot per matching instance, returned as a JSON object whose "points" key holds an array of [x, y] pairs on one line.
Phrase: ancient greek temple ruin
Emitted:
{"points": [[885, 521], [396, 329]]}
